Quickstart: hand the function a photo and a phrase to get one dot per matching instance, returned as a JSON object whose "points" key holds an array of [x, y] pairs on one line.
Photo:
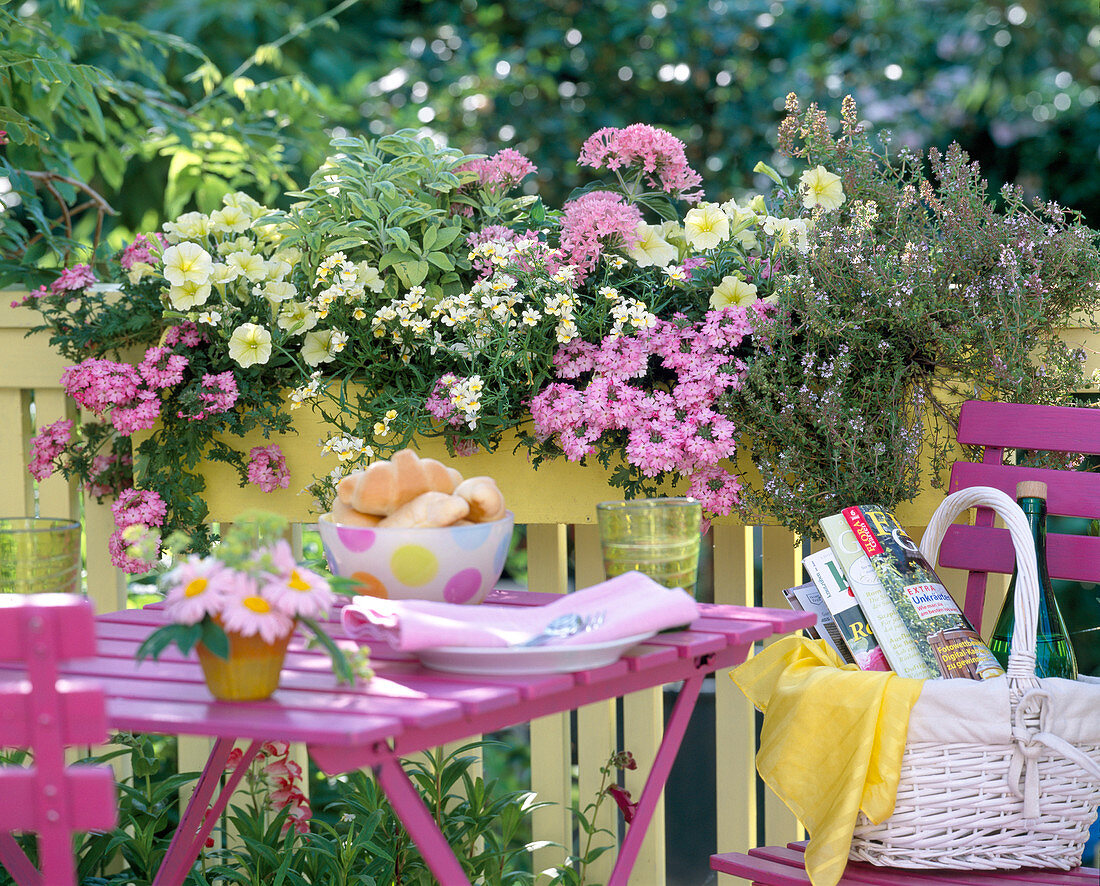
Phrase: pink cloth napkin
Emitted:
{"points": [[632, 604]]}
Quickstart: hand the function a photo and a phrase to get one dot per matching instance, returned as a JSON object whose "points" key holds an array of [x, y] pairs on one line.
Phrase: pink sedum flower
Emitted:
{"points": [[595, 222], [195, 590], [658, 155]]}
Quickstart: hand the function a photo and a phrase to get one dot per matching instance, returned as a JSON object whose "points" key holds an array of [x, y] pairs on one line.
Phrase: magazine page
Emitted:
{"points": [[945, 639]]}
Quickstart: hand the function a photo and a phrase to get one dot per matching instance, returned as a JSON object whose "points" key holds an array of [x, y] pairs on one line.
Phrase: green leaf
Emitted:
{"points": [[214, 638], [441, 260]]}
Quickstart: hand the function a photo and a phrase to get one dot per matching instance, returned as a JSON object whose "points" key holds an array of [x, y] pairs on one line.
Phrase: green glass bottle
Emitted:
{"points": [[1053, 651]]}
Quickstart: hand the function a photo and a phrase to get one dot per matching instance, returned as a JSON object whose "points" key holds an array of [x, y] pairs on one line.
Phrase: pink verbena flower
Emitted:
{"points": [[267, 468], [439, 403], [106, 473], [76, 277], [140, 414], [502, 171], [594, 222], [161, 368], [139, 506], [675, 430], [100, 385], [118, 547], [47, 445], [658, 154], [30, 297], [140, 250], [186, 333]]}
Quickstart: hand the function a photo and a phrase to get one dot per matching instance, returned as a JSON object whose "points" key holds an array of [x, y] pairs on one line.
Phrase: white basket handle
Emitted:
{"points": [[1021, 659]]}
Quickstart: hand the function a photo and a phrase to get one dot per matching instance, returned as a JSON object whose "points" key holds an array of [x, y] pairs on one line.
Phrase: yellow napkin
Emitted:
{"points": [[831, 743]]}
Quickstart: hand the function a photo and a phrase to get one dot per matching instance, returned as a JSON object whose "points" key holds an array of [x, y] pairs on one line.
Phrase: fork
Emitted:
{"points": [[566, 626]]}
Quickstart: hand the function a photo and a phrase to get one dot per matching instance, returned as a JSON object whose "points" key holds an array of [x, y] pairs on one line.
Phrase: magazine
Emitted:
{"points": [[826, 573], [890, 630], [946, 641], [807, 597]]}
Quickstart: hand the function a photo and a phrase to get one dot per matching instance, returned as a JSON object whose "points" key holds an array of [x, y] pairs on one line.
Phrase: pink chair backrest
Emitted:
{"points": [[42, 713], [998, 427]]}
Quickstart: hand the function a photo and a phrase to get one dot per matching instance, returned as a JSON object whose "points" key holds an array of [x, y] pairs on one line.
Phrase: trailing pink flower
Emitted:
{"points": [[140, 249], [267, 468], [186, 333], [118, 547], [30, 297], [502, 171], [104, 476], [100, 385], [48, 444], [74, 278], [161, 368], [675, 430], [595, 222], [140, 414], [657, 154], [139, 506]]}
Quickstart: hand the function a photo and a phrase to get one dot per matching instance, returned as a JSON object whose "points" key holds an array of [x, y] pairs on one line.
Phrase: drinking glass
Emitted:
{"points": [[655, 536], [39, 555]]}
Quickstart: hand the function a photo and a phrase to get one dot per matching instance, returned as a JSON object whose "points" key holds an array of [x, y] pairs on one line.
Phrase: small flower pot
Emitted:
{"points": [[250, 673]]}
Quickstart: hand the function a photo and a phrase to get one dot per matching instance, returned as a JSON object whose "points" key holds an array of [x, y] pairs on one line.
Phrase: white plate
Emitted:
{"points": [[529, 659]]}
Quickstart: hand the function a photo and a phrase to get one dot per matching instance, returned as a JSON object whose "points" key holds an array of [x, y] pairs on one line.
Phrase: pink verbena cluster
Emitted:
{"points": [[280, 777], [160, 368], [76, 277], [502, 171], [659, 156], [106, 473], [217, 394], [101, 385], [594, 222], [678, 429], [267, 468], [186, 333], [140, 250], [142, 508], [48, 444], [439, 403]]}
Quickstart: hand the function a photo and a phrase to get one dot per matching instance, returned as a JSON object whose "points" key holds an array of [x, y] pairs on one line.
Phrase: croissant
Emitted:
{"points": [[348, 516], [485, 498], [428, 509], [384, 486]]}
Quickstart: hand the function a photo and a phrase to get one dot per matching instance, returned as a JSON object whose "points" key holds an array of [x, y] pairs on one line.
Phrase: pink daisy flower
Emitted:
{"points": [[246, 612], [196, 590], [293, 589]]}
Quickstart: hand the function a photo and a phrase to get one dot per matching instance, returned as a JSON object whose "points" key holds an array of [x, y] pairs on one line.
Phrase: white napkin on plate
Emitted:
{"points": [[632, 604]]}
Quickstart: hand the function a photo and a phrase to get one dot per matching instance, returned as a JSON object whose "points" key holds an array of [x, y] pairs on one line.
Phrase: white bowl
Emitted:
{"points": [[452, 564]]}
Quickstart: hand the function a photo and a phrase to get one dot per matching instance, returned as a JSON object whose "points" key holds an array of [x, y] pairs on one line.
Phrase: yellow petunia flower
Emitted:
{"points": [[823, 189], [250, 345], [651, 249], [733, 292], [705, 226]]}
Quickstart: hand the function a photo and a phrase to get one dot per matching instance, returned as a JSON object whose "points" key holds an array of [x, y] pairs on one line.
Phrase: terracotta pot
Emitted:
{"points": [[250, 673]]}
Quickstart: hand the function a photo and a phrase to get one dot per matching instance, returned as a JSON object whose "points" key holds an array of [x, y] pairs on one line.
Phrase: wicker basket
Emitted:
{"points": [[1024, 790]]}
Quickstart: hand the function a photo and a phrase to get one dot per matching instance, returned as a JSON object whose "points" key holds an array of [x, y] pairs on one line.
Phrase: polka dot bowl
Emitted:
{"points": [[452, 564]]}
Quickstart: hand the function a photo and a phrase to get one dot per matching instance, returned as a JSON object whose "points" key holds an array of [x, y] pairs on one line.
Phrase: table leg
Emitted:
{"points": [[201, 816], [658, 776], [410, 808]]}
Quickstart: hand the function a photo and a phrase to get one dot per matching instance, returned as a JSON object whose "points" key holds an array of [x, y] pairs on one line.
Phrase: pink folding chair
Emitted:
{"points": [[981, 549], [44, 714]]}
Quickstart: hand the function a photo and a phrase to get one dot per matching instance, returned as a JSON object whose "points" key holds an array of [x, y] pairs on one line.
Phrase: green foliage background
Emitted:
{"points": [[162, 107]]}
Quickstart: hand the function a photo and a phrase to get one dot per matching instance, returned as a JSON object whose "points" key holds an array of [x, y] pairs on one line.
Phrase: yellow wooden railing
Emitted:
{"points": [[548, 501]]}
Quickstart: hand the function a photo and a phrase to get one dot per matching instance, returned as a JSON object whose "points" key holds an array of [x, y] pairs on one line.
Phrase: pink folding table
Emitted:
{"points": [[405, 708]]}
